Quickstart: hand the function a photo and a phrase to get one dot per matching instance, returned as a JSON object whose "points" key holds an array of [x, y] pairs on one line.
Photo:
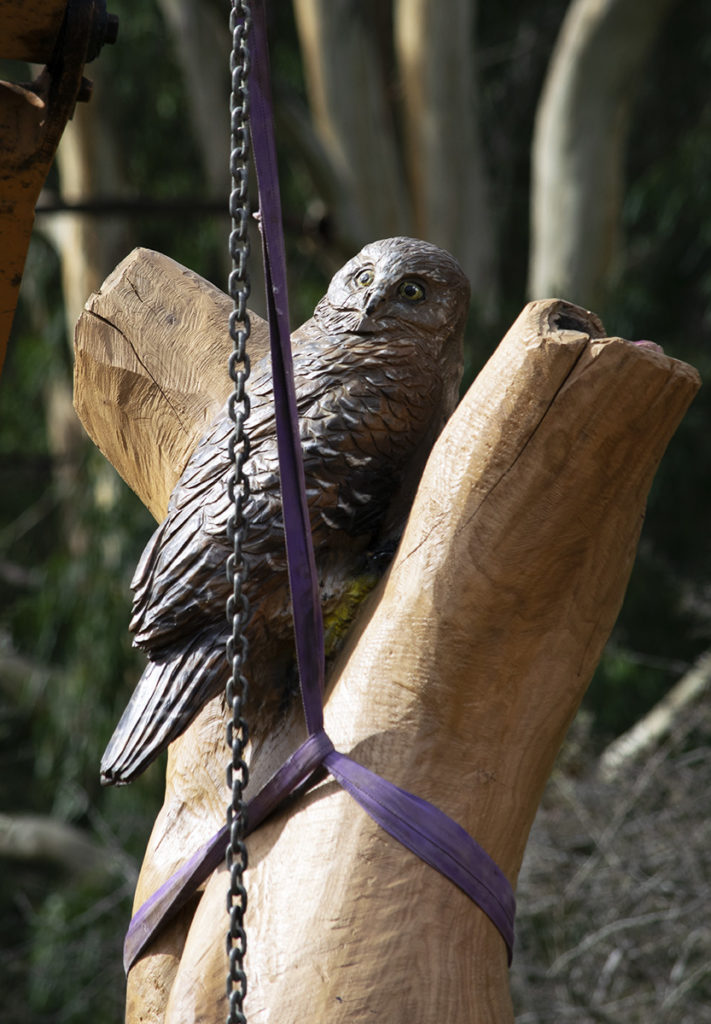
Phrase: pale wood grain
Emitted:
{"points": [[146, 405], [459, 680]]}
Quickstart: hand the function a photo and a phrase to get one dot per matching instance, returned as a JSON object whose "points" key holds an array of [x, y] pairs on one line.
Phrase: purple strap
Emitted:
{"points": [[303, 578], [434, 837], [417, 824], [175, 893]]}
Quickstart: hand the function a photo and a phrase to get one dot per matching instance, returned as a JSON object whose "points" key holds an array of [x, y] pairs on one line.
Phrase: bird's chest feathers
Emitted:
{"points": [[370, 403]]}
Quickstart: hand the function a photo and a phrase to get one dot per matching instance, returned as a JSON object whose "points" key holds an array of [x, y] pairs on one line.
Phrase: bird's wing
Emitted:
{"points": [[180, 583]]}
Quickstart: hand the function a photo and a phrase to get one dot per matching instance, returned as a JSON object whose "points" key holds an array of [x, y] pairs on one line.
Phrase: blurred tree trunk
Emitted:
{"points": [[88, 247], [341, 45], [36, 837], [201, 42], [443, 145], [579, 144], [433, 186], [90, 167], [202, 47]]}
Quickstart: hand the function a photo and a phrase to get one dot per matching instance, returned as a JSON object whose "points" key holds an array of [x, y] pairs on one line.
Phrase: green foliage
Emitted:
{"points": [[85, 922]]}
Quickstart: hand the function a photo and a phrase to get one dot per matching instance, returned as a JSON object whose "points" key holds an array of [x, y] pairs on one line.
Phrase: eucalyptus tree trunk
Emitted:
{"points": [[347, 89], [90, 167], [88, 246], [445, 163], [200, 36], [362, 103], [202, 48], [579, 144]]}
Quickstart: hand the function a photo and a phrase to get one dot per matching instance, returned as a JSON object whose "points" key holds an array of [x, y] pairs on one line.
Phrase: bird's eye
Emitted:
{"points": [[364, 278], [411, 290]]}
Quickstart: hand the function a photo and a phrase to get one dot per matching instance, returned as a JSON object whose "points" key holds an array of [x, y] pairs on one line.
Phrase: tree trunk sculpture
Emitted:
{"points": [[458, 681]]}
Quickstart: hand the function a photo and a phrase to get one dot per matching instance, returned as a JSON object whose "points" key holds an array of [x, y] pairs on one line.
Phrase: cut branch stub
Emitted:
{"points": [[458, 682], [151, 369]]}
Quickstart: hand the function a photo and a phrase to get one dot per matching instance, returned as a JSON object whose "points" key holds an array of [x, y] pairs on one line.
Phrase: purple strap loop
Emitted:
{"points": [[175, 893], [417, 824], [292, 774], [434, 837]]}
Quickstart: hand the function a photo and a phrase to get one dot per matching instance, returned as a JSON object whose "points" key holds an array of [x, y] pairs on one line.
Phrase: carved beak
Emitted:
{"points": [[366, 325], [374, 300]]}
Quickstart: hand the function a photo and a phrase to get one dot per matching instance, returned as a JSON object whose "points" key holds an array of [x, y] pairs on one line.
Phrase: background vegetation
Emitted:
{"points": [[614, 897]]}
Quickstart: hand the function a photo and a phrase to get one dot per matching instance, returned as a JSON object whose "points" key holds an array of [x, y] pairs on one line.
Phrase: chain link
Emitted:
{"points": [[237, 604]]}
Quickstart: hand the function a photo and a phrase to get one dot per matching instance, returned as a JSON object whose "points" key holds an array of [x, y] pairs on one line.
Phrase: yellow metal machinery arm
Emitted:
{"points": [[63, 35]]}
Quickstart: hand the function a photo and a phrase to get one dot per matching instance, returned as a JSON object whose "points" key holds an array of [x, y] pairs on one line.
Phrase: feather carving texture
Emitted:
{"points": [[377, 372]]}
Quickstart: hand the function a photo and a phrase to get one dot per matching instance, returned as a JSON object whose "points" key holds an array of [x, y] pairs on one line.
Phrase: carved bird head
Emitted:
{"points": [[399, 283]]}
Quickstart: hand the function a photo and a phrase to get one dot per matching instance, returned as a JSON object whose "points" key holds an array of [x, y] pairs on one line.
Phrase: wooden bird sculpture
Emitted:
{"points": [[377, 372]]}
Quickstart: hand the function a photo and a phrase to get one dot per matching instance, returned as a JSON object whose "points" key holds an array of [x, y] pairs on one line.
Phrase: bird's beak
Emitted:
{"points": [[374, 299], [366, 325]]}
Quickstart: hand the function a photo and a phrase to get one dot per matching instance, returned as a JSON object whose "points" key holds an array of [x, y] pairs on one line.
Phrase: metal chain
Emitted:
{"points": [[237, 604]]}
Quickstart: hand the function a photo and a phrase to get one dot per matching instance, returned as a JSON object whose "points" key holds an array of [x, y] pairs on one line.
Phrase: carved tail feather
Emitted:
{"points": [[168, 696]]}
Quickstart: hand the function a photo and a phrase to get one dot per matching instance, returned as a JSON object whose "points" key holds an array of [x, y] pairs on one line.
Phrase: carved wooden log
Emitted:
{"points": [[458, 682], [146, 404]]}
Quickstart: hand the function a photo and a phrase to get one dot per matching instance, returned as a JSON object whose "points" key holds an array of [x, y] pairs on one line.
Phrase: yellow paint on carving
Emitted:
{"points": [[337, 621]]}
